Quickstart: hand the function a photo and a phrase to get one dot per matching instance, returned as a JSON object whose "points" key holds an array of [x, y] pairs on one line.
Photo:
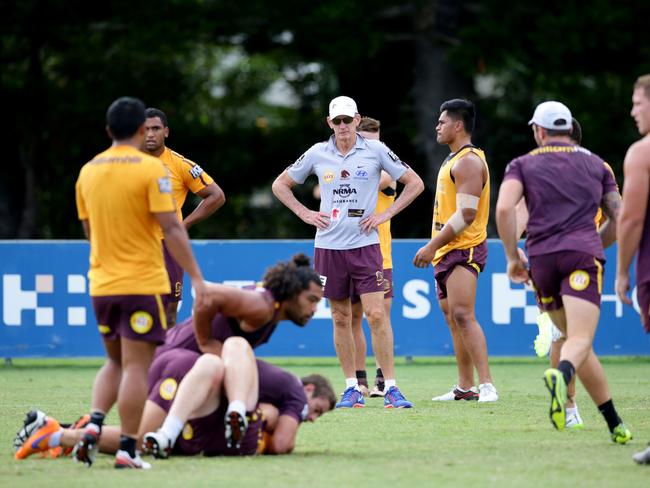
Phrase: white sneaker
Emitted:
{"points": [[456, 394], [158, 444], [573, 419], [487, 393], [642, 457], [123, 460]]}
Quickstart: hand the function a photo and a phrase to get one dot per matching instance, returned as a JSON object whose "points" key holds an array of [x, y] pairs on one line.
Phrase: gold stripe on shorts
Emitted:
{"points": [[599, 275], [161, 312]]}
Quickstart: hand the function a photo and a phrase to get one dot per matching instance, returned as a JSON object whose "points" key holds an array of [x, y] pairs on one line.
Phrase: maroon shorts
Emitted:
{"points": [[473, 259], [175, 273], [206, 434], [166, 372], [351, 269], [643, 299], [388, 287], [135, 317], [572, 273]]}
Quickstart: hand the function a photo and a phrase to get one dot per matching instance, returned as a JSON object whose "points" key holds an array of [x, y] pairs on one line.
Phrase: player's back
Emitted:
{"points": [[282, 390], [563, 187], [119, 189]]}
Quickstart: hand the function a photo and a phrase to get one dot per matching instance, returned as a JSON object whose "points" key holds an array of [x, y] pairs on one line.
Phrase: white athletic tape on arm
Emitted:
{"points": [[457, 221], [465, 200]]}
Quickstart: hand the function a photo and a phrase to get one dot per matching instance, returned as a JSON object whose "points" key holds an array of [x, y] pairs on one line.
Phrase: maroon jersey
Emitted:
{"points": [[563, 185], [282, 390], [182, 335]]}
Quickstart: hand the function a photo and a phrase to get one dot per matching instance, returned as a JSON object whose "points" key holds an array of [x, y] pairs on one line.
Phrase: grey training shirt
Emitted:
{"points": [[348, 187]]}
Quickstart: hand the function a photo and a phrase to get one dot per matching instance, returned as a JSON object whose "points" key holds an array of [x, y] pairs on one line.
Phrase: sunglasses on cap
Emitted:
{"points": [[347, 120]]}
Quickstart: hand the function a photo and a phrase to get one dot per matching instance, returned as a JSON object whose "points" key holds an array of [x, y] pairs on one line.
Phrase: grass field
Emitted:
{"points": [[509, 443]]}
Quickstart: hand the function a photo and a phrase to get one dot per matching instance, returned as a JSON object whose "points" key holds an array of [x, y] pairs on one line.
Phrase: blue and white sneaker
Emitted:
{"points": [[394, 399], [351, 398]]}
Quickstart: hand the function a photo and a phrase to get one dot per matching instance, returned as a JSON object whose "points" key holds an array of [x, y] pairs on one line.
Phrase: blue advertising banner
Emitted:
{"points": [[46, 310]]}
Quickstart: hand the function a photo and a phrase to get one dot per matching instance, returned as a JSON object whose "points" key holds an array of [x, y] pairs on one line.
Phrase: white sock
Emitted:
{"points": [[571, 410], [237, 406], [390, 383], [351, 383], [172, 427], [55, 439]]}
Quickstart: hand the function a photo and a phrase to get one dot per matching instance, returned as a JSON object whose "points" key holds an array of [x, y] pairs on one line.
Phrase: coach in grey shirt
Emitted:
{"points": [[347, 253]]}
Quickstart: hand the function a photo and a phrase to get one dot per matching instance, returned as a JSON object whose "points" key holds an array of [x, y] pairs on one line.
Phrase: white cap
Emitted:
{"points": [[552, 115], [342, 106]]}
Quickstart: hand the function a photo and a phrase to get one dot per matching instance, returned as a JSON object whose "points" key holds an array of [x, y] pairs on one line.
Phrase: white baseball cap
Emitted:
{"points": [[552, 115], [342, 106]]}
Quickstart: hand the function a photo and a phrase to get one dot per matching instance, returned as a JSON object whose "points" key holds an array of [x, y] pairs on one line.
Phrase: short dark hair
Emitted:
{"points": [[124, 117], [556, 132], [461, 109], [288, 279], [368, 124], [322, 388], [152, 112], [576, 131]]}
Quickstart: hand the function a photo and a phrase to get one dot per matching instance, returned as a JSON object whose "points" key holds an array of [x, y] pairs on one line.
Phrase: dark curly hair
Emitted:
{"points": [[287, 279]]}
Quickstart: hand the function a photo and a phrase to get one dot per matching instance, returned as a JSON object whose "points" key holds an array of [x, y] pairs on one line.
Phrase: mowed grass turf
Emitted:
{"points": [[509, 443]]}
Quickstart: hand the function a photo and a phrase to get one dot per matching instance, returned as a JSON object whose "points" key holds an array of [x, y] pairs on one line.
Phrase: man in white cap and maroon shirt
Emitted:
{"points": [[347, 253]]}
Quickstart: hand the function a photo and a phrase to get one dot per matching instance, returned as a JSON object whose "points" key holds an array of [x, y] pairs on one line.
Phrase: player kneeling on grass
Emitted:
{"points": [[229, 405]]}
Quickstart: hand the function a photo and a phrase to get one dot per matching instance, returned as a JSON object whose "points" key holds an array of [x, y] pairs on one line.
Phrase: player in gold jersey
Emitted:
{"points": [[123, 200], [185, 176], [458, 247]]}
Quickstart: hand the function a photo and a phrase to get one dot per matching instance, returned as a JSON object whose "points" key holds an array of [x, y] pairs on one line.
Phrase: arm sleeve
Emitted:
{"points": [[390, 162], [194, 177], [159, 189], [294, 402], [82, 212], [513, 171], [609, 182], [303, 167]]}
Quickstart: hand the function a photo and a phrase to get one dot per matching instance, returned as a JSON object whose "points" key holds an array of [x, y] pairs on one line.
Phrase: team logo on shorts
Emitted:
{"points": [[167, 390], [579, 280], [188, 432], [380, 278], [141, 322], [104, 329], [328, 177]]}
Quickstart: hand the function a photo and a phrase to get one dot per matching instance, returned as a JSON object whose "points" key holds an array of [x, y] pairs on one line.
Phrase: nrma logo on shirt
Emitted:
{"points": [[344, 191], [16, 299]]}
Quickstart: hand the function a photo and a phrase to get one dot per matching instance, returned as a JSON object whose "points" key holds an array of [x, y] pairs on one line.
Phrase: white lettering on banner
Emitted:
{"points": [[323, 311], [76, 315], [505, 298], [15, 300], [416, 294]]}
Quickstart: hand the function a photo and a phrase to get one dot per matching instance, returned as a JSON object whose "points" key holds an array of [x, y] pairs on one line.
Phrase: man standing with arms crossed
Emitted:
{"points": [[347, 253], [565, 251], [458, 247], [123, 200], [634, 222], [185, 175]]}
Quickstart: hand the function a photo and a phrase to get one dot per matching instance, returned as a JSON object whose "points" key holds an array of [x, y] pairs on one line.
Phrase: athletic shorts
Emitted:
{"points": [[175, 273], [135, 317], [388, 287], [207, 434], [643, 298], [473, 259], [351, 269], [572, 273]]}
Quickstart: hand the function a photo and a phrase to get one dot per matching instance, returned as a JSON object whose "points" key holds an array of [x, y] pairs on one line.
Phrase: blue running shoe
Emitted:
{"points": [[394, 399], [351, 398]]}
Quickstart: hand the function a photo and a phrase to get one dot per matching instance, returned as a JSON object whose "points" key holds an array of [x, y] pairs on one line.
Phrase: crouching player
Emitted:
{"points": [[228, 405]]}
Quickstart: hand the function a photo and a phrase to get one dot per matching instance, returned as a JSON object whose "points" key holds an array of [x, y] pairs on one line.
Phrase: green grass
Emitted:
{"points": [[510, 443]]}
